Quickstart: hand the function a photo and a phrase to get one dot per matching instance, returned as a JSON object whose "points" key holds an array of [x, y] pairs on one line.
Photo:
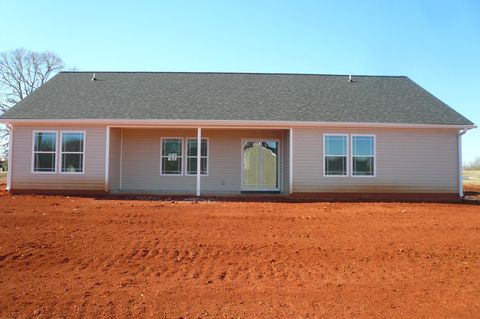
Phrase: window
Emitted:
{"points": [[44, 152], [335, 155], [73, 152], [171, 156], [192, 157], [363, 155]]}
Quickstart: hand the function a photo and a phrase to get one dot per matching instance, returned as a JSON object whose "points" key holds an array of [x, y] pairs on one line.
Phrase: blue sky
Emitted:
{"points": [[436, 43]]}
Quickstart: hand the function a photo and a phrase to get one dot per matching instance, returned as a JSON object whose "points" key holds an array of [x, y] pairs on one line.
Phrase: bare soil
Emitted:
{"points": [[91, 258]]}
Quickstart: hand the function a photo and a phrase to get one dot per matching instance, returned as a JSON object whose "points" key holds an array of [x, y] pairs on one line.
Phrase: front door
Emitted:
{"points": [[260, 162]]}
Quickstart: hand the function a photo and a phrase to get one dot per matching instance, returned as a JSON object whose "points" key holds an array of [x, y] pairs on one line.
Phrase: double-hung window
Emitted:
{"points": [[192, 157], [44, 152], [335, 154], [172, 156], [363, 155], [73, 152]]}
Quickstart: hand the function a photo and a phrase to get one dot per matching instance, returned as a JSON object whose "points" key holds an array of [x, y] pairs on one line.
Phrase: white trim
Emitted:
{"points": [[279, 164], [199, 157], [460, 164], [182, 157], [186, 155], [61, 152], [228, 123], [32, 167], [107, 157], [374, 155], [10, 157], [347, 149], [121, 159], [290, 161]]}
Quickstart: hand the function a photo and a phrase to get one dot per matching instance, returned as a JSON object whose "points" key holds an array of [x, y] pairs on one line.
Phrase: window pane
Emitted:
{"points": [[72, 142], [363, 166], [336, 145], [204, 148], [335, 165], [45, 142], [72, 163], [192, 166], [171, 166], [172, 147], [192, 147], [362, 145], [44, 162]]}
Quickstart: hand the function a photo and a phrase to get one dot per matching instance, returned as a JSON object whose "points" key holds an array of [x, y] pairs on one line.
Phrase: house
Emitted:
{"points": [[298, 134]]}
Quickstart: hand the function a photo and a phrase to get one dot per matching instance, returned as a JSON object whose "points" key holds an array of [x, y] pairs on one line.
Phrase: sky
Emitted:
{"points": [[435, 43]]}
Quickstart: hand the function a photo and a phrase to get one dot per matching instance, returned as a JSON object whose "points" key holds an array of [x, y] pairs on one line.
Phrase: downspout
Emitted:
{"points": [[460, 166]]}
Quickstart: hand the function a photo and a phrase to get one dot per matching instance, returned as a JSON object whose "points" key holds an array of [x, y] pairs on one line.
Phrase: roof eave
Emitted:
{"points": [[225, 123]]}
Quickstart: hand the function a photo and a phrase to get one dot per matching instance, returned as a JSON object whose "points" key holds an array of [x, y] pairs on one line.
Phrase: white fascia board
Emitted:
{"points": [[224, 123]]}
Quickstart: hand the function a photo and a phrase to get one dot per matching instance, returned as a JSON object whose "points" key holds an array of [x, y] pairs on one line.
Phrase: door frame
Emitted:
{"points": [[279, 165]]}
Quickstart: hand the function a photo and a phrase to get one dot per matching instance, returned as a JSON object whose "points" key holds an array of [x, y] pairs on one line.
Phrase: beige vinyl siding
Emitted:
{"points": [[141, 160], [407, 160], [92, 179], [114, 159]]}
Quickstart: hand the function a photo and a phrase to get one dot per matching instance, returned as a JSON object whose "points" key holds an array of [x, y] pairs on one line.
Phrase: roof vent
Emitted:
{"points": [[93, 77], [350, 78]]}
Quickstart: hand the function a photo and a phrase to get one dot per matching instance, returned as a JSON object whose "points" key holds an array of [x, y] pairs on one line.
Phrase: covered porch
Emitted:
{"points": [[166, 160]]}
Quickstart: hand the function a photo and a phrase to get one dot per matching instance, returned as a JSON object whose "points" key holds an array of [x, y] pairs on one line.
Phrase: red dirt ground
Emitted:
{"points": [[87, 257]]}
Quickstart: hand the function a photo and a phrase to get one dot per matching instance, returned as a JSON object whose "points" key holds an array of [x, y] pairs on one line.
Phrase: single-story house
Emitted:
{"points": [[235, 133]]}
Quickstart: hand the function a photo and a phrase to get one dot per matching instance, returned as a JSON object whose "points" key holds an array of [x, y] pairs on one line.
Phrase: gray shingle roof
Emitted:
{"points": [[235, 96]]}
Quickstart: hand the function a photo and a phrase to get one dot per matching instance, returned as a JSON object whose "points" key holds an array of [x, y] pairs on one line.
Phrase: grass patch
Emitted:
{"points": [[471, 176]]}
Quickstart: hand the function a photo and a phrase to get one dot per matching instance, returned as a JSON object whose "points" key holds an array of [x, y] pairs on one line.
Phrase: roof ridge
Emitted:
{"points": [[239, 73]]}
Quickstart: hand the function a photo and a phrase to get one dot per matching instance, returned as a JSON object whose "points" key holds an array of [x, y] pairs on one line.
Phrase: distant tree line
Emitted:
{"points": [[473, 165]]}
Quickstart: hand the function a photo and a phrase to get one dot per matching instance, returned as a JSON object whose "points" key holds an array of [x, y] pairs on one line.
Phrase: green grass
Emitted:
{"points": [[471, 177]]}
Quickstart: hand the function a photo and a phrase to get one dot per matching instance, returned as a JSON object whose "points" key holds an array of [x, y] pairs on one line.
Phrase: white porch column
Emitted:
{"points": [[107, 157], [290, 161], [460, 164], [10, 156], [199, 159]]}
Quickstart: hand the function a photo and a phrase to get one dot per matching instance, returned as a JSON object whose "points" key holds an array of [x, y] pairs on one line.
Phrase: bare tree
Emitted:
{"points": [[21, 72]]}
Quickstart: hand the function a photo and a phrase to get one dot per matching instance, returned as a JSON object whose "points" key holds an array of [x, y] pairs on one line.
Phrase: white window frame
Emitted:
{"points": [[374, 155], [182, 147], [34, 133], [195, 156], [347, 168], [61, 152]]}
